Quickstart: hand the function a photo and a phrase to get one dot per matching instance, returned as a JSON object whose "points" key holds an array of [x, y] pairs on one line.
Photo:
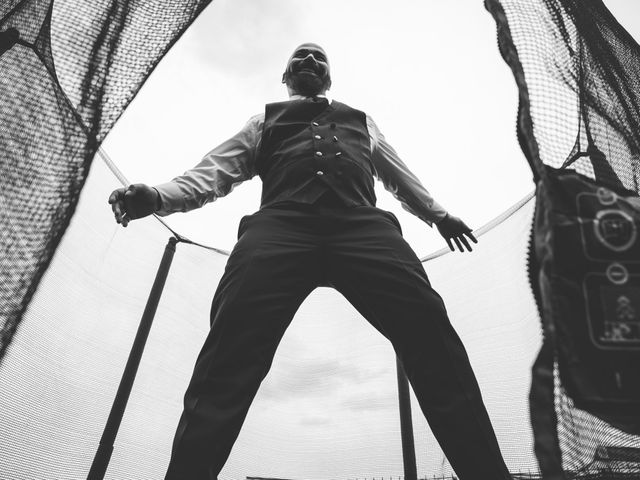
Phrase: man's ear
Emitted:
{"points": [[284, 77]]}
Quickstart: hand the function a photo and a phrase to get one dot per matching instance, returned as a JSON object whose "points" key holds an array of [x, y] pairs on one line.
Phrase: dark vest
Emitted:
{"points": [[310, 150]]}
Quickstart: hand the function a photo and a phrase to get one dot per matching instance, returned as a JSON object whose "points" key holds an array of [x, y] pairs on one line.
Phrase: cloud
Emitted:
{"points": [[320, 377], [248, 38], [372, 401]]}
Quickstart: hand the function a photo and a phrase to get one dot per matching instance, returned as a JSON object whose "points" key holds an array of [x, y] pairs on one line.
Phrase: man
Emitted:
{"points": [[317, 225]]}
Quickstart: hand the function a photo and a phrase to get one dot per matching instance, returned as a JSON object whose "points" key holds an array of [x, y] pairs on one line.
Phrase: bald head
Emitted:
{"points": [[307, 71]]}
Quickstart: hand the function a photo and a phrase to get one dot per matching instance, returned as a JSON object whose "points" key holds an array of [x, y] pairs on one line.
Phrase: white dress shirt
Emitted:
{"points": [[233, 162]]}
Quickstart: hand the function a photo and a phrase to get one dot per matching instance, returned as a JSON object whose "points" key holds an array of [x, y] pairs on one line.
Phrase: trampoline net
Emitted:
{"points": [[69, 69], [579, 79], [578, 73]]}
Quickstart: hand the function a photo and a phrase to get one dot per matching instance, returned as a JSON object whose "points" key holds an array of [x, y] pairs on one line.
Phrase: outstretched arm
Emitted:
{"points": [[414, 197], [226, 166]]}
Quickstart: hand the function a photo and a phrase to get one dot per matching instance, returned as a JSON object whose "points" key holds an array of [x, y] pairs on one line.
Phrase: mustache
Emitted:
{"points": [[308, 64], [319, 70], [312, 68]]}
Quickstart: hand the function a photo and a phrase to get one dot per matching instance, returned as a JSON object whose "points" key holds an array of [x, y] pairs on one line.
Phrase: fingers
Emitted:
{"points": [[465, 243], [456, 231], [450, 244], [461, 242], [116, 199], [116, 195], [460, 237], [120, 214], [465, 230]]}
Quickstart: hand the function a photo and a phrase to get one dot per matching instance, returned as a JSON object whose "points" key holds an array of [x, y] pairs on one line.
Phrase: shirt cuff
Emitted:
{"points": [[171, 199], [441, 218], [433, 216]]}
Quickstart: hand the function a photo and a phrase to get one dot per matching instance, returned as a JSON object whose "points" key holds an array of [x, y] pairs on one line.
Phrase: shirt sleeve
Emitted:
{"points": [[229, 164], [400, 181]]}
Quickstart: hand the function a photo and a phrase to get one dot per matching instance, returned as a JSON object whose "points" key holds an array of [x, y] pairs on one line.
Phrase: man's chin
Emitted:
{"points": [[308, 85]]}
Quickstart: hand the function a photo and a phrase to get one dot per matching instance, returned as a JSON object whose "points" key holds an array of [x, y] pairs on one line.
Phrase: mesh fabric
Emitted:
{"points": [[55, 114], [578, 72]]}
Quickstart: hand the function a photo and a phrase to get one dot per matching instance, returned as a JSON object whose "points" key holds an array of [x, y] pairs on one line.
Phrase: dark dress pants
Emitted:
{"points": [[281, 256]]}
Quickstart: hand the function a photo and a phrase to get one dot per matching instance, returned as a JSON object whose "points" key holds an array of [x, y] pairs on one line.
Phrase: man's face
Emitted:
{"points": [[307, 72]]}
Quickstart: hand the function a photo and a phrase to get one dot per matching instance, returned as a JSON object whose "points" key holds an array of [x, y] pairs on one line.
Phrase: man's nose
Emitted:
{"points": [[310, 58]]}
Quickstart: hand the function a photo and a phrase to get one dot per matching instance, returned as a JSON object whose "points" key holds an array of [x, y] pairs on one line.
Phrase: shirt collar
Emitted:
{"points": [[302, 97]]}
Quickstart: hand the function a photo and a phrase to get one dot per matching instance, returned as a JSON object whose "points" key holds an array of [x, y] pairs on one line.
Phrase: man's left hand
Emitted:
{"points": [[455, 230]]}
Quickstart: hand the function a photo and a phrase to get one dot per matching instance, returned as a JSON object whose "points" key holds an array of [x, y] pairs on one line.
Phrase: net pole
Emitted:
{"points": [[105, 448], [406, 425]]}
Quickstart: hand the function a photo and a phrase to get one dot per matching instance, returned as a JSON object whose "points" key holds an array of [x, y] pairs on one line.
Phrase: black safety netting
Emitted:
{"points": [[579, 80], [55, 114], [578, 73]]}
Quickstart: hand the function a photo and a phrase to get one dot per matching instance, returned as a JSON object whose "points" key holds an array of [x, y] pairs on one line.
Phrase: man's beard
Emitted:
{"points": [[308, 85]]}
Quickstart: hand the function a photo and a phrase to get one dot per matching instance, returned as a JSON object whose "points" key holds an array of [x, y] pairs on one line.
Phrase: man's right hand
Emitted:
{"points": [[135, 201]]}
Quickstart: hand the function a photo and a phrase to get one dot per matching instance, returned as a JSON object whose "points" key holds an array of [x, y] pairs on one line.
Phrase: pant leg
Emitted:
{"points": [[375, 269], [271, 270]]}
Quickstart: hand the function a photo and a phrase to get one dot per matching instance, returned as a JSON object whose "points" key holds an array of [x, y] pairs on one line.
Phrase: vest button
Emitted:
{"points": [[338, 154], [335, 139], [333, 126], [318, 154], [319, 172], [317, 137]]}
